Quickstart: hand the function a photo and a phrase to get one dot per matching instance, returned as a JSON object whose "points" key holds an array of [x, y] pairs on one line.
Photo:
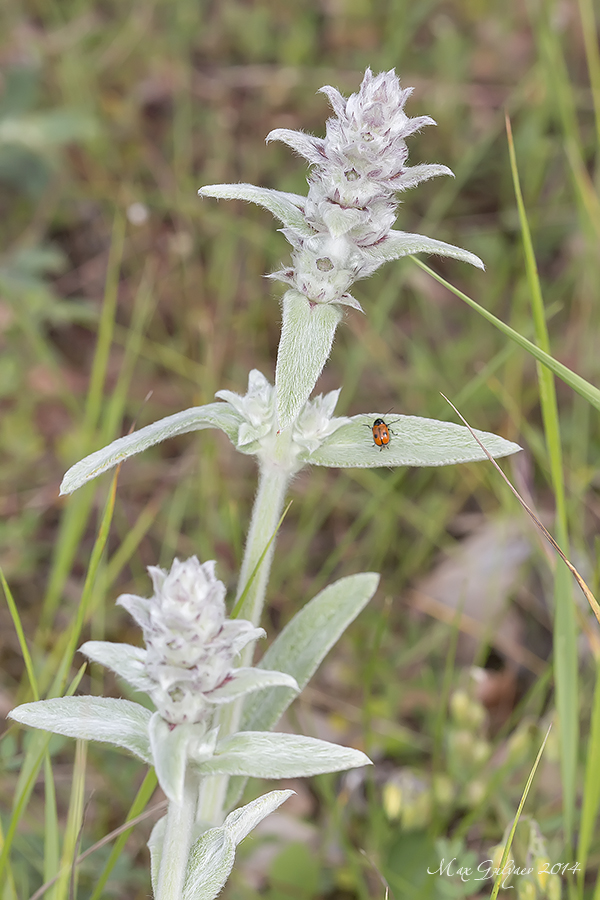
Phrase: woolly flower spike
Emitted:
{"points": [[359, 167], [343, 230], [190, 643]]}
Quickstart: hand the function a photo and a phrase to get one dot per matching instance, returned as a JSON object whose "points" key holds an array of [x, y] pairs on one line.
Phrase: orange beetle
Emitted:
{"points": [[381, 433]]}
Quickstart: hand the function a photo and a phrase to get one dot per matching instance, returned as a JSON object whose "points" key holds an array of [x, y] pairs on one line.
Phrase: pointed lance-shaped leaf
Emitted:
{"points": [[155, 845], [307, 334], [212, 415], [210, 863], [242, 821], [414, 175], [305, 641], [397, 244], [212, 856], [104, 719], [288, 208], [127, 661], [246, 680], [300, 648], [414, 441], [308, 146], [275, 755]]}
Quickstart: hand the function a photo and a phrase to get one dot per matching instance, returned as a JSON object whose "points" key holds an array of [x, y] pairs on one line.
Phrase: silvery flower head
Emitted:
{"points": [[342, 230], [361, 163], [191, 644]]}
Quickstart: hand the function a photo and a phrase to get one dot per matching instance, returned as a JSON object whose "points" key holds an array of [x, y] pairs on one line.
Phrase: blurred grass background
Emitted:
{"points": [[117, 281]]}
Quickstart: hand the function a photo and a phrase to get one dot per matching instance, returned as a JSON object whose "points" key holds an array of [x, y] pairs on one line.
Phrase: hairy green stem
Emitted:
{"points": [[176, 846], [252, 586], [268, 504]]}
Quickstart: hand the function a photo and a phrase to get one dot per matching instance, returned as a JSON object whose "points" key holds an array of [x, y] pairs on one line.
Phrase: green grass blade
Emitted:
{"points": [[51, 832], [167, 358], [565, 630], [546, 381], [142, 309], [67, 879], [586, 190], [500, 876], [71, 531], [9, 891], [591, 785], [14, 612], [567, 691], [131, 540], [565, 107], [589, 30], [34, 757], [579, 384], [139, 804], [105, 331], [76, 516], [67, 651]]}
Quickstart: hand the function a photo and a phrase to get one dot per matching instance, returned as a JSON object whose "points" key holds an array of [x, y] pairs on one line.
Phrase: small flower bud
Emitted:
{"points": [[541, 865], [416, 812], [443, 791], [475, 792], [407, 797], [477, 715], [460, 749], [520, 742], [466, 711], [496, 854], [481, 752], [392, 800], [459, 707], [554, 888], [526, 890]]}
